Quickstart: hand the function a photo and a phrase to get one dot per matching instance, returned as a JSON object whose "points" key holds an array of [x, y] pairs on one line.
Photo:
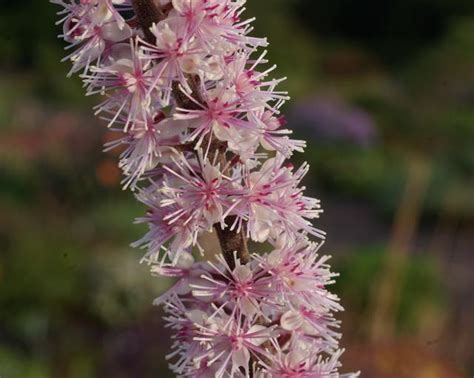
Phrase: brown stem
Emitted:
{"points": [[232, 241], [148, 13]]}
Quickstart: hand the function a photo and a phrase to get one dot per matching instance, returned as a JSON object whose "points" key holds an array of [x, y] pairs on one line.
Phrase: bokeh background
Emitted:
{"points": [[384, 93]]}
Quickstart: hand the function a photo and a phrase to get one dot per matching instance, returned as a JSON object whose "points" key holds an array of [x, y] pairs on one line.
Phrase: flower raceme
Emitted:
{"points": [[204, 148]]}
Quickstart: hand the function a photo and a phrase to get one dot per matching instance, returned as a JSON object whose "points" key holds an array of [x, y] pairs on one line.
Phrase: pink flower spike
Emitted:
{"points": [[203, 145]]}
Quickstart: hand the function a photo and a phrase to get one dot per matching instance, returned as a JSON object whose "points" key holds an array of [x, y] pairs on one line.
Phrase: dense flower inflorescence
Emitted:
{"points": [[204, 148]]}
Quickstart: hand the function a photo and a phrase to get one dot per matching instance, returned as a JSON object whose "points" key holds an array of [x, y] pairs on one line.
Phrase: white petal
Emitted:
{"points": [[258, 340], [241, 358], [248, 307], [185, 261], [101, 14], [213, 214], [243, 273], [309, 330], [295, 358], [291, 321], [197, 316], [267, 146], [112, 32], [260, 231], [191, 63], [221, 132]]}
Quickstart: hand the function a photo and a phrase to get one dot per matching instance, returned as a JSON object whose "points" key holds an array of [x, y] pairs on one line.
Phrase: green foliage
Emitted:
{"points": [[421, 287], [13, 365]]}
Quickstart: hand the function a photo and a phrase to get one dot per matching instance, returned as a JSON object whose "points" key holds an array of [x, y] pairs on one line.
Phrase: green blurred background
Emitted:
{"points": [[384, 93]]}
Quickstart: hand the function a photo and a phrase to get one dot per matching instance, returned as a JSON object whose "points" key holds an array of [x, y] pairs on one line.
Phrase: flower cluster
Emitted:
{"points": [[204, 147]]}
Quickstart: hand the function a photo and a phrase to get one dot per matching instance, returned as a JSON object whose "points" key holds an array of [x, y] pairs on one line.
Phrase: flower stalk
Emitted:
{"points": [[148, 13]]}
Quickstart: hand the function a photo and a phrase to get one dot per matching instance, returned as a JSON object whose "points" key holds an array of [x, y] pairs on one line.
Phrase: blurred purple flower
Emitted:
{"points": [[329, 119]]}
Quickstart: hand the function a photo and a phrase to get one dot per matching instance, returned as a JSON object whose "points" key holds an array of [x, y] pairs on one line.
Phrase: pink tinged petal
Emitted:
{"points": [[122, 65], [185, 261], [101, 14], [260, 231], [255, 329], [183, 5], [248, 307], [119, 51], [291, 321], [243, 273], [221, 132], [197, 317], [295, 358], [93, 52], [267, 146], [275, 258], [202, 294], [191, 63], [241, 358], [112, 32], [165, 35], [182, 287], [213, 214], [309, 330], [299, 284]]}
